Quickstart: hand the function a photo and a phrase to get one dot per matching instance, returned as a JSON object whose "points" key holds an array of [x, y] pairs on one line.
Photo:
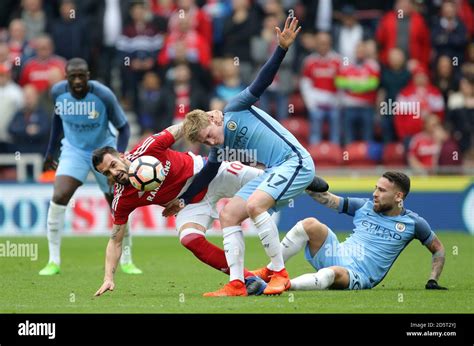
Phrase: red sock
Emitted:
{"points": [[208, 253]]}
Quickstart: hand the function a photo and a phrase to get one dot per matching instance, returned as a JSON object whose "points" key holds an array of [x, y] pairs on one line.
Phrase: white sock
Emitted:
{"points": [[320, 280], [55, 226], [268, 234], [126, 257], [234, 248], [293, 242]]}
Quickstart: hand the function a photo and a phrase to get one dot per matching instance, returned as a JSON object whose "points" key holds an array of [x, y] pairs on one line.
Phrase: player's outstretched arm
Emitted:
{"points": [[437, 264], [113, 253], [325, 198]]}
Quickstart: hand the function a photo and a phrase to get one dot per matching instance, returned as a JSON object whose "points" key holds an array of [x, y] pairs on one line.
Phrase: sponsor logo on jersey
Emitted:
{"points": [[380, 231], [232, 125], [400, 227]]}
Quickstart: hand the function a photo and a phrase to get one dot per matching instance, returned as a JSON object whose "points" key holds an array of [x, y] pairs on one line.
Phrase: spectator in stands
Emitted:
{"points": [[395, 77], [460, 115], [468, 67], [178, 97], [317, 15], [262, 47], [36, 70], [231, 83], [5, 59], [319, 90], [218, 11], [238, 31], [193, 43], [34, 17], [422, 99], [20, 49], [11, 100], [29, 128], [139, 44], [358, 82], [148, 99], [445, 77], [69, 32], [406, 29], [348, 34], [425, 147], [449, 35]]}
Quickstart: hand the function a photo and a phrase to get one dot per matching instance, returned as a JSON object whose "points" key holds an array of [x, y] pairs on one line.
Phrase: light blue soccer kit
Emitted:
{"points": [[372, 248], [86, 125], [289, 167]]}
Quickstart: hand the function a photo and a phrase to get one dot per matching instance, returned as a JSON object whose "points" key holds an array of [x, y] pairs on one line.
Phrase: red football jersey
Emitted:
{"points": [[179, 167]]}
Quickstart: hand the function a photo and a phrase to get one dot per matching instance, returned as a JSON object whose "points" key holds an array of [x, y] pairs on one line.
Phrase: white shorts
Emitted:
{"points": [[229, 180]]}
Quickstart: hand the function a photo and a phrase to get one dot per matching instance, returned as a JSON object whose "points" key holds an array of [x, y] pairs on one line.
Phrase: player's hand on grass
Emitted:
{"points": [[49, 163], [289, 33], [173, 207], [433, 285], [108, 285]]}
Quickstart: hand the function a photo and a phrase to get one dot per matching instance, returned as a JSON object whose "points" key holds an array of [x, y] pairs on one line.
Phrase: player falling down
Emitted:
{"points": [[192, 221], [289, 169], [83, 111], [382, 229]]}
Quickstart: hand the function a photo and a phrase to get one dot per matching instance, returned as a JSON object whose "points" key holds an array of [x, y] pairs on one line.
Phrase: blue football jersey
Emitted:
{"points": [[249, 128], [86, 121], [381, 238]]}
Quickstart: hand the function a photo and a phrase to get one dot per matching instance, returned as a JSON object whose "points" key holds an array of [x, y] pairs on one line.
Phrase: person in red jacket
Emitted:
{"points": [[415, 102], [406, 29]]}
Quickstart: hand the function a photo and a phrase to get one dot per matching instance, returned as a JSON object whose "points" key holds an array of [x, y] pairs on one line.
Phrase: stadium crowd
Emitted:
{"points": [[368, 82]]}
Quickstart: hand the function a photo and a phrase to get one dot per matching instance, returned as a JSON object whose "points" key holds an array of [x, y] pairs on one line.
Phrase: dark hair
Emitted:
{"points": [[401, 180], [98, 155], [77, 63]]}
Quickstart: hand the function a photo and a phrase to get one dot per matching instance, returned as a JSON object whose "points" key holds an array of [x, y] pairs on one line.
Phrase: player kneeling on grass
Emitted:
{"points": [[382, 229]]}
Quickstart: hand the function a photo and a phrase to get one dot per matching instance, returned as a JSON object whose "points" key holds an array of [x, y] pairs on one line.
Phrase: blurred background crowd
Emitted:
{"points": [[339, 90]]}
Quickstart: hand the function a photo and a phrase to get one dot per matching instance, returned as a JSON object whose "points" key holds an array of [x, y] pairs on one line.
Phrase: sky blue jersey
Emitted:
{"points": [[249, 128], [381, 238], [86, 121]]}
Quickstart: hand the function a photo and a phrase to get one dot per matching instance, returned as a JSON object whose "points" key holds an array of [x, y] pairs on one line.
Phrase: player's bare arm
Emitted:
{"points": [[325, 198], [437, 263], [176, 130], [112, 257]]}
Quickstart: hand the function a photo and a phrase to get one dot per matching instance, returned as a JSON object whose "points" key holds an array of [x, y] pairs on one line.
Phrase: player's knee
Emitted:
{"points": [[227, 218], [312, 226], [254, 208]]}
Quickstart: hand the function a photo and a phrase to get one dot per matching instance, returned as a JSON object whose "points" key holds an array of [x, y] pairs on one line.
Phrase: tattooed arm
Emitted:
{"points": [[325, 198], [176, 131], [437, 263], [112, 257]]}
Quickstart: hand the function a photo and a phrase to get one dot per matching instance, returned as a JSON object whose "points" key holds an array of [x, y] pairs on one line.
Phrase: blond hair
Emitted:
{"points": [[195, 121]]}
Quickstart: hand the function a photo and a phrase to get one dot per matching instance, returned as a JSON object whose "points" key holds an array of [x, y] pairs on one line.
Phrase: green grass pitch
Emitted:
{"points": [[174, 281]]}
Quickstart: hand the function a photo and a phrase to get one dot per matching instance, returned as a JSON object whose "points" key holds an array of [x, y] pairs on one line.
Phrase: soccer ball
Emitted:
{"points": [[146, 173]]}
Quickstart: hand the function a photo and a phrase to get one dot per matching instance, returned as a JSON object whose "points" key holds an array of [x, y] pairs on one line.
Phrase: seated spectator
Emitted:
{"points": [[148, 99], [416, 101], [445, 78], [34, 17], [425, 146], [29, 128], [231, 84], [449, 35], [36, 70], [11, 100], [395, 76], [347, 34], [20, 49], [69, 32], [358, 82], [406, 29], [319, 90], [140, 42], [460, 114], [262, 47]]}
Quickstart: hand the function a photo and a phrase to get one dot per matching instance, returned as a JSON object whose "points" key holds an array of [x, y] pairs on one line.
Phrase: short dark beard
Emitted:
{"points": [[383, 208]]}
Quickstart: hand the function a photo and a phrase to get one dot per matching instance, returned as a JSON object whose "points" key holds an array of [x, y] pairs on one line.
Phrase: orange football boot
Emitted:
{"points": [[264, 273], [234, 288], [279, 282]]}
